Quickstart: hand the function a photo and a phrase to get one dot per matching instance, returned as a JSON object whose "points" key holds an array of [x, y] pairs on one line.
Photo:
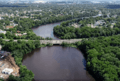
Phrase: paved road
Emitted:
{"points": [[53, 41], [59, 41]]}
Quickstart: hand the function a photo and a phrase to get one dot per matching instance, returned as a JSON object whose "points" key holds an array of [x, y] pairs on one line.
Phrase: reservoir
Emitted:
{"points": [[57, 63]]}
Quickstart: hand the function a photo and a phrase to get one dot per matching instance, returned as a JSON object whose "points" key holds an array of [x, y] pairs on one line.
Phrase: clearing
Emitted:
{"points": [[8, 62]]}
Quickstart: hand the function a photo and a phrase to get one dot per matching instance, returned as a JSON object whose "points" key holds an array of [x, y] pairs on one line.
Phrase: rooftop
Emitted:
{"points": [[9, 26]]}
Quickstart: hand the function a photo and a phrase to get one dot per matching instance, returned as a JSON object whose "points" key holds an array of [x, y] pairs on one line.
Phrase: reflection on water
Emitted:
{"points": [[84, 63], [46, 30], [57, 63]]}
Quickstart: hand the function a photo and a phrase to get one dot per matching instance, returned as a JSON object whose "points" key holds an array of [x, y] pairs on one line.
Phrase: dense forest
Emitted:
{"points": [[18, 50], [102, 55], [85, 32], [66, 31]]}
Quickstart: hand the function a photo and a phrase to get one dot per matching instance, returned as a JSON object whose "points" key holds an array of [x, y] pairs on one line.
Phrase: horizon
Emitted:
{"points": [[51, 0], [44, 1]]}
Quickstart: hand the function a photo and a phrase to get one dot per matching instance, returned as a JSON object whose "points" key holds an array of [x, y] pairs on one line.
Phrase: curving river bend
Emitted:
{"points": [[46, 30], [56, 63]]}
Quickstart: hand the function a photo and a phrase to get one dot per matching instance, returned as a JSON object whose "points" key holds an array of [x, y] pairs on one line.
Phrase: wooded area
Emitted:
{"points": [[18, 50], [102, 55]]}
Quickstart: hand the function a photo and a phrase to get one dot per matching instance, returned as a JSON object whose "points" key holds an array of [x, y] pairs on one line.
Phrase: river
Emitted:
{"points": [[46, 30], [57, 63]]}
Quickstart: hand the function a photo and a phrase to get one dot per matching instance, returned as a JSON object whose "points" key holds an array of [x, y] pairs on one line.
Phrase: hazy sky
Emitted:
{"points": [[79, 0], [61, 0]]}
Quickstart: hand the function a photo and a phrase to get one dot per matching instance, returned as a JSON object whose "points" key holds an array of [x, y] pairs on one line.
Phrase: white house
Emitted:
{"points": [[1, 31], [24, 33], [7, 71]]}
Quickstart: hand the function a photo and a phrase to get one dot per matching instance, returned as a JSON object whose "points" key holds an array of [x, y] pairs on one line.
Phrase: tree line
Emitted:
{"points": [[84, 32], [66, 31], [18, 50], [102, 55]]}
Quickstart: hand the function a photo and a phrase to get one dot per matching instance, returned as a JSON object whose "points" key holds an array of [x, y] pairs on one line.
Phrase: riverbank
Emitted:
{"points": [[46, 31], [18, 50], [57, 63]]}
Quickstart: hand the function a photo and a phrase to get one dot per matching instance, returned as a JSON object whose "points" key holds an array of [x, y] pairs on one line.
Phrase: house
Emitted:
{"points": [[7, 71], [1, 31], [11, 24], [24, 33], [15, 24], [7, 27], [100, 22], [24, 17], [114, 16], [18, 34], [18, 31]]}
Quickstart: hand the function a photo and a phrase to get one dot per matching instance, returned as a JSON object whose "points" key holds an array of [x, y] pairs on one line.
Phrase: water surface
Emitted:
{"points": [[46, 30], [57, 63]]}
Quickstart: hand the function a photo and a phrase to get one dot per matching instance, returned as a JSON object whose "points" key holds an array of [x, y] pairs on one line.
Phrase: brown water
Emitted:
{"points": [[57, 63], [46, 30]]}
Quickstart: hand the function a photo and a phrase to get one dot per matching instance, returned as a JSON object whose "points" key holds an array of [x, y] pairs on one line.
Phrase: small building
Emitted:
{"points": [[100, 22], [18, 32], [24, 33], [7, 27], [1, 31], [7, 71]]}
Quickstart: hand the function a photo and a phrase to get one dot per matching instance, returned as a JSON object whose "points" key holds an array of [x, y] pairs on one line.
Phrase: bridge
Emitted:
{"points": [[52, 41], [59, 41]]}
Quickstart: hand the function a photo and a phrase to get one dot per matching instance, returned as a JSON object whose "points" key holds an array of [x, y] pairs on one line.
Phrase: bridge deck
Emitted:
{"points": [[59, 41], [52, 41]]}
